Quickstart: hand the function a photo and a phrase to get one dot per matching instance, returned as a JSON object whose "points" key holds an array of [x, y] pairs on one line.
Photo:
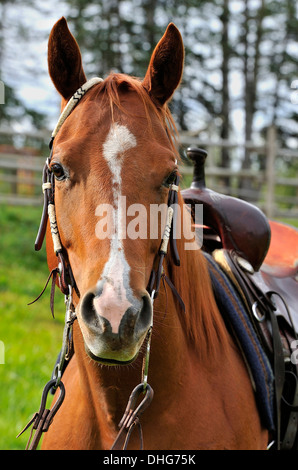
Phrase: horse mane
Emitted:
{"points": [[203, 323]]}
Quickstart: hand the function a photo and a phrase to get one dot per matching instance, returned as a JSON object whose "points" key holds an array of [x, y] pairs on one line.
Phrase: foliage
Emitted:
{"points": [[240, 59], [241, 56]]}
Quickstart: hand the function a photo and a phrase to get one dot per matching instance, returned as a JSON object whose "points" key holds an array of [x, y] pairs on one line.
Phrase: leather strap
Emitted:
{"points": [[52, 274], [279, 372], [131, 417], [290, 434], [169, 235], [43, 418]]}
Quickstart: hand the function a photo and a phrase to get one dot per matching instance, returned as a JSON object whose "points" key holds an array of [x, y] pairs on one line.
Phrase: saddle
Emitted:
{"points": [[247, 247]]}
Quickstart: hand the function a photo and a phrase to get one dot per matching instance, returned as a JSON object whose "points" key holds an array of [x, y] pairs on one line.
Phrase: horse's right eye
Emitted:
{"points": [[170, 179], [58, 171]]}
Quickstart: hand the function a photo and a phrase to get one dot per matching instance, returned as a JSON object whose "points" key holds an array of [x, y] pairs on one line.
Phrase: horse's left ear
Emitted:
{"points": [[64, 60], [166, 66]]}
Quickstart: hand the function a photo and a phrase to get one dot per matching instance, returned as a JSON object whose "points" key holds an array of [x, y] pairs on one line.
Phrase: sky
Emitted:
{"points": [[36, 91]]}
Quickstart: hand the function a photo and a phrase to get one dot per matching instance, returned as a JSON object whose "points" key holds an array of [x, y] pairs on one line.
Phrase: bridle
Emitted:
{"points": [[48, 187], [42, 420]]}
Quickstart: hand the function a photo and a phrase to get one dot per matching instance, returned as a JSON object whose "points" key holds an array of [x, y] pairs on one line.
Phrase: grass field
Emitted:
{"points": [[31, 338]]}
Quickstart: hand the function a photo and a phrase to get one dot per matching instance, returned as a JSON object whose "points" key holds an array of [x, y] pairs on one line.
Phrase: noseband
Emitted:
{"points": [[67, 284]]}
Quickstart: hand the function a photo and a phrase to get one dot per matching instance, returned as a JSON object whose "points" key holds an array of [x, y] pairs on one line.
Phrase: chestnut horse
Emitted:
{"points": [[119, 142]]}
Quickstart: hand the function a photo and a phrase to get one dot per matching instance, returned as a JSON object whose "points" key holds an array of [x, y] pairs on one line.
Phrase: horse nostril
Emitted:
{"points": [[89, 314], [87, 309], [145, 316]]}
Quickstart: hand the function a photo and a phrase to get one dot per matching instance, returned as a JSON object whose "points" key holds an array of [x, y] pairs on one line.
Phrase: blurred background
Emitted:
{"points": [[238, 100]]}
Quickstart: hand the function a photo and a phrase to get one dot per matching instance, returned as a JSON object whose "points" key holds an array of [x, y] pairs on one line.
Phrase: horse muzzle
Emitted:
{"points": [[114, 327]]}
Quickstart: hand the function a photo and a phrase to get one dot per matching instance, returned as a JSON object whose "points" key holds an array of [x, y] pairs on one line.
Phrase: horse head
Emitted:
{"points": [[113, 158]]}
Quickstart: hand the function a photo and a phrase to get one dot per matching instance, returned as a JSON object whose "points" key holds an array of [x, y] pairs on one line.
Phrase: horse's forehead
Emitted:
{"points": [[92, 130], [119, 140]]}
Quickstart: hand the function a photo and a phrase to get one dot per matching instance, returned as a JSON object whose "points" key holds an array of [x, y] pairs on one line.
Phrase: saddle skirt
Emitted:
{"points": [[236, 317], [256, 312]]}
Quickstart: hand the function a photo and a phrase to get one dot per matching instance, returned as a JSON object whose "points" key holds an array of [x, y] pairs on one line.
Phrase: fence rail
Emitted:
{"points": [[271, 191], [275, 194]]}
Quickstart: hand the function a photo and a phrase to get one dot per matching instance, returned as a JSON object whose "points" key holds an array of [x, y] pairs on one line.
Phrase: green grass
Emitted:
{"points": [[31, 338]]}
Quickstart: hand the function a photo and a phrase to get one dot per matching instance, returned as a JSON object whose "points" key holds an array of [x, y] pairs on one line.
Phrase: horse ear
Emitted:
{"points": [[64, 60], [166, 66]]}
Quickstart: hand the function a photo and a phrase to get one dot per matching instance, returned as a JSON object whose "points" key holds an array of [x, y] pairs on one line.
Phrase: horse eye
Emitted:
{"points": [[170, 179], [58, 171]]}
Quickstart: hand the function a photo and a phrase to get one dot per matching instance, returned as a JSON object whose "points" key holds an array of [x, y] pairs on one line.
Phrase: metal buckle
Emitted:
{"points": [[256, 314], [132, 412]]}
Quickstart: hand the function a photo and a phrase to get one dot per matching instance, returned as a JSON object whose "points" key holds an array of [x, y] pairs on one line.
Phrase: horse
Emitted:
{"points": [[119, 143]]}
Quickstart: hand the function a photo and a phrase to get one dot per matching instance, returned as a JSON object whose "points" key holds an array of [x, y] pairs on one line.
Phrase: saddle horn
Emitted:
{"points": [[241, 226]]}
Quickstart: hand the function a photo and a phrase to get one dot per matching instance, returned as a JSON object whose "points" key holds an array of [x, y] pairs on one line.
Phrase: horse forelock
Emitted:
{"points": [[112, 88]]}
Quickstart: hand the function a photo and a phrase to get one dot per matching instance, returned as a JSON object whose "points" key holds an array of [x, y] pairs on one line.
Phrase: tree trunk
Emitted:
{"points": [[251, 74], [225, 111]]}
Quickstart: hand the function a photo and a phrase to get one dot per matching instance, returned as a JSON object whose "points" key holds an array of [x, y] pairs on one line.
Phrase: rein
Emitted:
{"points": [[131, 418]]}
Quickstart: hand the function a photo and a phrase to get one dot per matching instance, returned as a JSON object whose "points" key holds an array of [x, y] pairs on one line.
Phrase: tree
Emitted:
{"points": [[12, 32], [268, 66]]}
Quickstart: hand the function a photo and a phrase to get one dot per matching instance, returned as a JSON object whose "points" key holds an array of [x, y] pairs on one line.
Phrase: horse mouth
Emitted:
{"points": [[110, 362]]}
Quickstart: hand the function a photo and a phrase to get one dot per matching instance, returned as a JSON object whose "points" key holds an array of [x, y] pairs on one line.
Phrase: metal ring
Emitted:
{"points": [[256, 314], [57, 375]]}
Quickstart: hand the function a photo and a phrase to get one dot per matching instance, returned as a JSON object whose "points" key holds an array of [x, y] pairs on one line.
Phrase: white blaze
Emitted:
{"points": [[116, 294]]}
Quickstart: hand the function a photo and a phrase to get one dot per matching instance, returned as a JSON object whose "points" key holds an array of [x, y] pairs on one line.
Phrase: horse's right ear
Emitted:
{"points": [[64, 60]]}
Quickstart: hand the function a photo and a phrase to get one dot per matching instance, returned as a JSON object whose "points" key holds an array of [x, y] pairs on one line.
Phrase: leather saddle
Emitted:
{"points": [[269, 249], [261, 258]]}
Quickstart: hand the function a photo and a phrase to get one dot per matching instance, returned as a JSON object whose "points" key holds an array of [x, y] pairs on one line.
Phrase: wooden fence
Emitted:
{"points": [[271, 189]]}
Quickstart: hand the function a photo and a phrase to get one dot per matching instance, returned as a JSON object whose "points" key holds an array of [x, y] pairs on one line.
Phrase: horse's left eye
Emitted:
{"points": [[170, 179], [58, 171]]}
